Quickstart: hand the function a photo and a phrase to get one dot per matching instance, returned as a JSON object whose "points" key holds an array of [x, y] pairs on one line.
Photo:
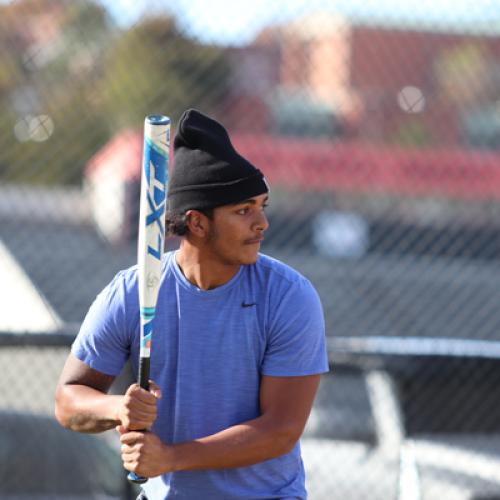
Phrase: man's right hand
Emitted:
{"points": [[137, 411]]}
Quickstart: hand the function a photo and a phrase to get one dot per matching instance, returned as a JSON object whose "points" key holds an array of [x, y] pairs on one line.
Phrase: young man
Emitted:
{"points": [[238, 343]]}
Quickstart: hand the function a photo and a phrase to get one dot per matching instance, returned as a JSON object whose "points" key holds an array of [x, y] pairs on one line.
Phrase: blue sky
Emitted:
{"points": [[237, 22]]}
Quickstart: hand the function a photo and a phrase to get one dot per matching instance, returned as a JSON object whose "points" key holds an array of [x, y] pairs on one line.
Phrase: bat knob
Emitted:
{"points": [[134, 478]]}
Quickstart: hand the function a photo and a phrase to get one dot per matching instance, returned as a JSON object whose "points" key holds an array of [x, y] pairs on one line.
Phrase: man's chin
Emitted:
{"points": [[251, 259]]}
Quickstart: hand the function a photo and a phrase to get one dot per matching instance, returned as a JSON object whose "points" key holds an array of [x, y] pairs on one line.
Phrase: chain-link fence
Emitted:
{"points": [[378, 127]]}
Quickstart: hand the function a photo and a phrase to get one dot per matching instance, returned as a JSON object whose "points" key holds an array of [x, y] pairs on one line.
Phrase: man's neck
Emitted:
{"points": [[202, 270]]}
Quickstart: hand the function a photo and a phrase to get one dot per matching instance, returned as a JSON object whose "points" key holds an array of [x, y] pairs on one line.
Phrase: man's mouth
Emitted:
{"points": [[254, 241]]}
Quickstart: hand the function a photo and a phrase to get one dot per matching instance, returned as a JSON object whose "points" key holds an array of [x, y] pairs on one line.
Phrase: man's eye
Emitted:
{"points": [[243, 211]]}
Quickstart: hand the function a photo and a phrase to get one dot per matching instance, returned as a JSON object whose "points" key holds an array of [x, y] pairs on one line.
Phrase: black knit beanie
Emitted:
{"points": [[207, 171]]}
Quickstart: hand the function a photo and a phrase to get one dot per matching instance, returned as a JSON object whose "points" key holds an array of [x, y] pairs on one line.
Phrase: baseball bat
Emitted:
{"points": [[151, 237]]}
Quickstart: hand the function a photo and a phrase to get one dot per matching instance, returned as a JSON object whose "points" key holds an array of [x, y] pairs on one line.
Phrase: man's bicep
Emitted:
{"points": [[296, 336], [288, 399], [76, 372]]}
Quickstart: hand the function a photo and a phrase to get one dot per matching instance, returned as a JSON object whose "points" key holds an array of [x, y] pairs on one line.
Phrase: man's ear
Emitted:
{"points": [[197, 223]]}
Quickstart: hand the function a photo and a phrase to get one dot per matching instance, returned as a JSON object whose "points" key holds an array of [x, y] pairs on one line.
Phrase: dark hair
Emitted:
{"points": [[176, 223]]}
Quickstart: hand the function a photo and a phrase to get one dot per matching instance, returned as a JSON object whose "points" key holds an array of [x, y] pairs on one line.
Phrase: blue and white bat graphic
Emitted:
{"points": [[151, 236]]}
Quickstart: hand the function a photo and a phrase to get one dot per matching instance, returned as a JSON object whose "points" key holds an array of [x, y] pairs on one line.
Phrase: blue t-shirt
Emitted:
{"points": [[209, 350]]}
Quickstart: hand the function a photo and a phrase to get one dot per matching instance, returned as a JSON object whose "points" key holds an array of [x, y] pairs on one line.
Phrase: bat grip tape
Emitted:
{"points": [[143, 377], [143, 380]]}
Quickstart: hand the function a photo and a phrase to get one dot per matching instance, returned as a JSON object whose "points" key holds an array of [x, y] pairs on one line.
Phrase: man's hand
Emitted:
{"points": [[144, 453], [285, 404], [137, 410]]}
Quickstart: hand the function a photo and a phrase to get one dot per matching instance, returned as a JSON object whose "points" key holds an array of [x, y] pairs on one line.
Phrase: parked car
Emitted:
{"points": [[457, 467], [356, 444], [352, 442], [40, 460]]}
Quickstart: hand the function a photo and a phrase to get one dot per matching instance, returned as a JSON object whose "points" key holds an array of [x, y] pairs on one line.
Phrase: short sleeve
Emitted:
{"points": [[103, 342], [296, 338]]}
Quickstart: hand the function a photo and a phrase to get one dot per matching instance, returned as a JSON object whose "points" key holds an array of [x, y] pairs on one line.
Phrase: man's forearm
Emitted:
{"points": [[84, 409], [238, 446]]}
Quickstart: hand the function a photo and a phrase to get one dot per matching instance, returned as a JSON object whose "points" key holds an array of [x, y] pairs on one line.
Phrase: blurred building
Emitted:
{"points": [[325, 106], [112, 184], [387, 85], [255, 74]]}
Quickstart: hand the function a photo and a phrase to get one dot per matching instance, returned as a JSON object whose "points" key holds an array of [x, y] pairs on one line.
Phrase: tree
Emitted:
{"points": [[153, 68], [50, 124], [63, 96], [463, 73]]}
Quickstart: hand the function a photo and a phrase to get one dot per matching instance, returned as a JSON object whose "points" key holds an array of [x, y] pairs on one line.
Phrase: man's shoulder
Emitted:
{"points": [[277, 270]]}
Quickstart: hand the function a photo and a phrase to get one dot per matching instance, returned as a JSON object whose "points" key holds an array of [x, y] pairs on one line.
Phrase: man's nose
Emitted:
{"points": [[262, 223]]}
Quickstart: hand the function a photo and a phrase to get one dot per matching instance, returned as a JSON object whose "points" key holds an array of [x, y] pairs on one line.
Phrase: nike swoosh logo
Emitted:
{"points": [[249, 304]]}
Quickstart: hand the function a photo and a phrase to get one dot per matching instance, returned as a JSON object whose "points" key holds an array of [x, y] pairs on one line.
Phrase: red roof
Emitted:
{"points": [[355, 167], [122, 157], [337, 166]]}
